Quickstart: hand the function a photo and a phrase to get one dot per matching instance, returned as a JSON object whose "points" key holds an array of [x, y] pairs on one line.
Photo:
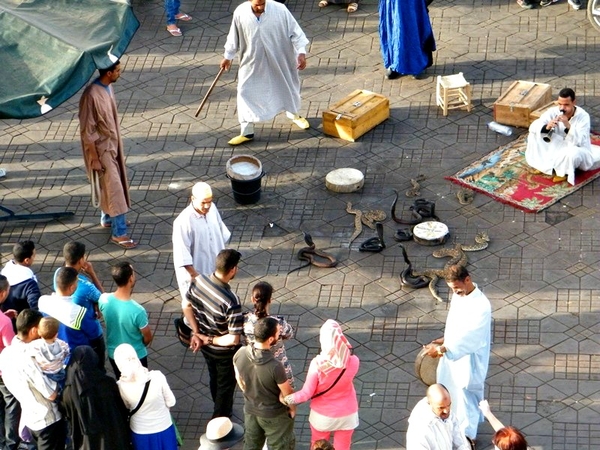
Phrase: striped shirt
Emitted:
{"points": [[216, 308]]}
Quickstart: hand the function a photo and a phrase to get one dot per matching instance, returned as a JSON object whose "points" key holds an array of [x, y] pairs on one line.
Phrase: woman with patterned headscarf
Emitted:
{"points": [[329, 386], [151, 424]]}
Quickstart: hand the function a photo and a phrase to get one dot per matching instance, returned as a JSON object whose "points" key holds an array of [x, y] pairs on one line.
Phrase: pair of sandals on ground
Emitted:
{"points": [[174, 29], [352, 7], [123, 241], [529, 4]]}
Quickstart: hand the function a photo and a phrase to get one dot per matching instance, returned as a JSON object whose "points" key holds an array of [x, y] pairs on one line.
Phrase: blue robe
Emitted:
{"points": [[406, 36], [464, 366]]}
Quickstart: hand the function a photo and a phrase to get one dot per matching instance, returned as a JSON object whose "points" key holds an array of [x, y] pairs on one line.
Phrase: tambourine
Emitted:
{"points": [[426, 368]]}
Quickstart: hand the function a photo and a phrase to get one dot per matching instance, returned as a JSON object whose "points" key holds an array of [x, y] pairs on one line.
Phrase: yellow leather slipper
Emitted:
{"points": [[301, 122], [240, 140]]}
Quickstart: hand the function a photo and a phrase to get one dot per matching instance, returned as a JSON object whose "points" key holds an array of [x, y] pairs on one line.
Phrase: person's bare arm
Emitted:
{"points": [[196, 339], [432, 348], [487, 412], [147, 335], [225, 64], [240, 380], [227, 340], [301, 61], [190, 269], [88, 269], [286, 389]]}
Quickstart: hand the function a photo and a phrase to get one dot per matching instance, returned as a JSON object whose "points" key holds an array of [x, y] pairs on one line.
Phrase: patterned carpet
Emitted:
{"points": [[505, 176]]}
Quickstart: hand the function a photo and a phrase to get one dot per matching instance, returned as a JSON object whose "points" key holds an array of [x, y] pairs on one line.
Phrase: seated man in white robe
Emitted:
{"points": [[559, 141], [432, 426]]}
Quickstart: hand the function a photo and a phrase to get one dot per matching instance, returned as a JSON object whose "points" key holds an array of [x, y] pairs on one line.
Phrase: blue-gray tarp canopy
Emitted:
{"points": [[50, 48]]}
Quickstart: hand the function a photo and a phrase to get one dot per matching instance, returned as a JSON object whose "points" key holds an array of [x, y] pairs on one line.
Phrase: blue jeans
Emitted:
{"points": [[118, 224], [171, 10]]}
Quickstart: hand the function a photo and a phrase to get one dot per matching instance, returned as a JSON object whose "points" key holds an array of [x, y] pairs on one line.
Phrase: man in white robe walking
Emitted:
{"points": [[199, 234], [432, 426], [464, 349], [272, 49], [559, 141]]}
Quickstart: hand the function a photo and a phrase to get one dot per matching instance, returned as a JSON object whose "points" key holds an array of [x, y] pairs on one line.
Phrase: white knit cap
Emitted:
{"points": [[202, 190]]}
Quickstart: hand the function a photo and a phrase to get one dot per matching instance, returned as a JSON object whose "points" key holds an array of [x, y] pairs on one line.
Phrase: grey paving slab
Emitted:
{"points": [[540, 271]]}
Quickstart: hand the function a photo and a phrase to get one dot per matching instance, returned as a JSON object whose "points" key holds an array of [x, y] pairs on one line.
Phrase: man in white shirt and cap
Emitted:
{"points": [[432, 426], [199, 234]]}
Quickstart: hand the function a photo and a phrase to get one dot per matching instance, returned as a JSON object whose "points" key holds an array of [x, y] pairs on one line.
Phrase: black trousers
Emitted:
{"points": [[10, 413], [222, 380], [99, 346], [52, 437]]}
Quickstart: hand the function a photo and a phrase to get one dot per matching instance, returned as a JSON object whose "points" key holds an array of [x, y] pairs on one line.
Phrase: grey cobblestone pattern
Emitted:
{"points": [[540, 271]]}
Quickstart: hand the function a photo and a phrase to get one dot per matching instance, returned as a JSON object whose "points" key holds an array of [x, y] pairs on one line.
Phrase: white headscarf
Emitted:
{"points": [[129, 365], [335, 348]]}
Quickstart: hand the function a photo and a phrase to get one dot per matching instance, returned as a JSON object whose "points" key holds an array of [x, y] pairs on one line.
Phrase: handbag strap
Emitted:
{"points": [[329, 388], [141, 402]]}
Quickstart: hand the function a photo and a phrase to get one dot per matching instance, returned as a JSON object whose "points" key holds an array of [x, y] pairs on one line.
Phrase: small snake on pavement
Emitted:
{"points": [[314, 257], [465, 196], [370, 218], [415, 189]]}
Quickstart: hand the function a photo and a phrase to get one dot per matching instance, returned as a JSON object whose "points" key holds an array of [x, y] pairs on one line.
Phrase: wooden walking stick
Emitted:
{"points": [[209, 91]]}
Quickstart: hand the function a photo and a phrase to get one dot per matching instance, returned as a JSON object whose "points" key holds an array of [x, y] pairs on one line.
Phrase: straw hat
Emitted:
{"points": [[221, 433]]}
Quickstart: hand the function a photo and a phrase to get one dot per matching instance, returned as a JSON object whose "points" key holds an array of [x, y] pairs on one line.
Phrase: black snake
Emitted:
{"points": [[430, 277], [420, 210], [374, 244], [314, 257]]}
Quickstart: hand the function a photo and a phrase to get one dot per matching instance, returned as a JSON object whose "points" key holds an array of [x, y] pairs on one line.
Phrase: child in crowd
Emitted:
{"points": [[49, 352], [24, 290], [261, 298], [322, 444]]}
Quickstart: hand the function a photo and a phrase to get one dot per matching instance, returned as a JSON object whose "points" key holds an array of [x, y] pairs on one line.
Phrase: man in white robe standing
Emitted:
{"points": [[199, 234], [464, 349], [272, 49], [431, 426], [559, 141]]}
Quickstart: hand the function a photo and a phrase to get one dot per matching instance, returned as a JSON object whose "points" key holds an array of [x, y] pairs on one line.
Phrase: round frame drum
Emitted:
{"points": [[430, 233], [344, 180], [426, 368]]}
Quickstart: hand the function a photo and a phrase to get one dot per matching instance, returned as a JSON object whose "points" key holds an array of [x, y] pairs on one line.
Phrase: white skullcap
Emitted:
{"points": [[202, 190]]}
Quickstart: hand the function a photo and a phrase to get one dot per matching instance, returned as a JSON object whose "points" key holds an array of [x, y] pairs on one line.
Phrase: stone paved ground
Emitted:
{"points": [[540, 271]]}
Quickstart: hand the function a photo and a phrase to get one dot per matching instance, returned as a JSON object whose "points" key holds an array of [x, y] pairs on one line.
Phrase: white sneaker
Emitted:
{"points": [[575, 4]]}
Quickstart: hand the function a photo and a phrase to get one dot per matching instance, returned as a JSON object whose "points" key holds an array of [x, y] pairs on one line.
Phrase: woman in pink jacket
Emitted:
{"points": [[329, 386]]}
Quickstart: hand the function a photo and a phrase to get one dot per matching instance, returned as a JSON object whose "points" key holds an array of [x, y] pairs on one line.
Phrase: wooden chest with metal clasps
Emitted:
{"points": [[356, 114], [522, 98]]}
